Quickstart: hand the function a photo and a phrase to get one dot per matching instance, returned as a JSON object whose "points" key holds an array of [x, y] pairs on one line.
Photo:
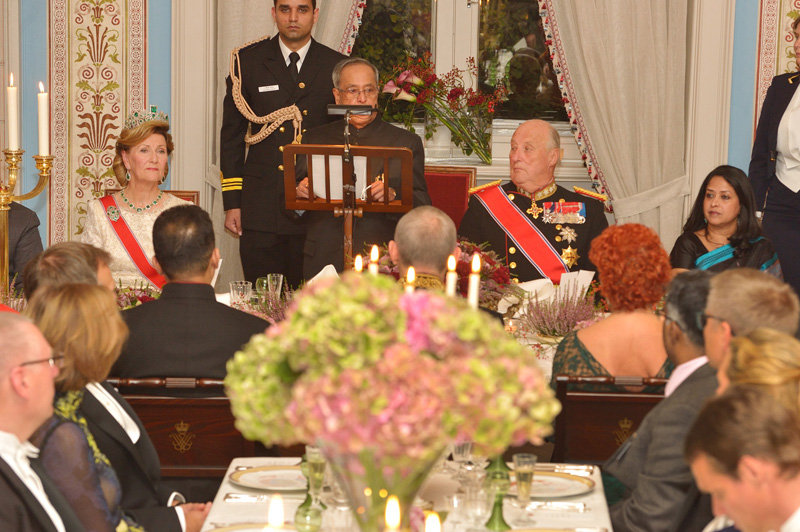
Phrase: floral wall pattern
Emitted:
{"points": [[97, 69], [774, 54]]}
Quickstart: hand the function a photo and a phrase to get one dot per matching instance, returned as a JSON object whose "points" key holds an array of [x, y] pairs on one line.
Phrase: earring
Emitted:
{"points": [[163, 179], [127, 175]]}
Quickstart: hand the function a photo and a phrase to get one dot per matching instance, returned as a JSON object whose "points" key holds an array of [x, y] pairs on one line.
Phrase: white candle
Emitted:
{"points": [[373, 260], [451, 278], [392, 515], [474, 282], [358, 264], [12, 114], [44, 121], [432, 523], [410, 276], [275, 515]]}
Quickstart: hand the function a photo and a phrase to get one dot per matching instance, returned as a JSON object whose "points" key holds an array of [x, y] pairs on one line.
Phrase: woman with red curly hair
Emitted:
{"points": [[634, 270]]}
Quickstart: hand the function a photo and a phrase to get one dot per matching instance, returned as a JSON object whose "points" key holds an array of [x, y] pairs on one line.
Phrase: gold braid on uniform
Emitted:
{"points": [[273, 120]]}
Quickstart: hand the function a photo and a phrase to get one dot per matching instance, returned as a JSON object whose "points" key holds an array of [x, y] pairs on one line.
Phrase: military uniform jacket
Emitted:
{"points": [[567, 238], [255, 183]]}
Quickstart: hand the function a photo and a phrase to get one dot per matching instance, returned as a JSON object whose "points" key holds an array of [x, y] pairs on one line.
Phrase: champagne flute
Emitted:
{"points": [[315, 461], [524, 466]]}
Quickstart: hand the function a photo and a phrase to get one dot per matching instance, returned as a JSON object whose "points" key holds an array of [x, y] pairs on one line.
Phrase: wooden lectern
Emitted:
{"points": [[378, 159]]}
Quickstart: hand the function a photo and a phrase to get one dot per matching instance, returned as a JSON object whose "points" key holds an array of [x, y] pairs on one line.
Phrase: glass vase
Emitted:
{"points": [[369, 479]]}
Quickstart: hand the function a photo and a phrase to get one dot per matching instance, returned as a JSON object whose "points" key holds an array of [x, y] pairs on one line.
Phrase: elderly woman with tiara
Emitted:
{"points": [[122, 223]]}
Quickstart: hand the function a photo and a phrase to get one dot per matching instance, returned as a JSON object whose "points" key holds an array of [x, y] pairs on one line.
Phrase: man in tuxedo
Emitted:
{"points": [[186, 332], [743, 449], [290, 72], [24, 241], [68, 262], [425, 238], [740, 301], [356, 83], [30, 501], [661, 492]]}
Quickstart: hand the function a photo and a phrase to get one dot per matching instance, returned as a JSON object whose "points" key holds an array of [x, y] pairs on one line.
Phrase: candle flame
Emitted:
{"points": [[476, 263], [11, 80], [451, 263], [393, 513], [432, 523], [358, 264], [275, 517], [373, 254], [41, 87], [411, 275]]}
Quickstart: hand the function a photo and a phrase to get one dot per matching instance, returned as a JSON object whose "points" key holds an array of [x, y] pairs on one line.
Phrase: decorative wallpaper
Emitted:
{"points": [[97, 69], [775, 54]]}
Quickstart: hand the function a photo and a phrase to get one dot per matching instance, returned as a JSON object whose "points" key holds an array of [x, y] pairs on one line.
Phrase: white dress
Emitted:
{"points": [[98, 232]]}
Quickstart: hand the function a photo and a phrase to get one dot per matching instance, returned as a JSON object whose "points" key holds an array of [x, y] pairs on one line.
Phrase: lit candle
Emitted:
{"points": [[358, 264], [451, 278], [393, 513], [410, 276], [474, 281], [373, 260], [275, 516], [44, 121], [12, 114], [432, 523]]}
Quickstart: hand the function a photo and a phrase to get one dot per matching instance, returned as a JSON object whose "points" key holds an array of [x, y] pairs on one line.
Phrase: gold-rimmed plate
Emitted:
{"points": [[552, 485], [270, 478], [251, 527]]}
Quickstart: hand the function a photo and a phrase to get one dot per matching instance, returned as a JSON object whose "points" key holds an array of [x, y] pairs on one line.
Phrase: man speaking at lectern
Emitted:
{"points": [[355, 82]]}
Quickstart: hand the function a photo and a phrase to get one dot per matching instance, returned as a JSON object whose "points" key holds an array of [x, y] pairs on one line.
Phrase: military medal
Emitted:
{"points": [[534, 210], [568, 234], [570, 256], [564, 212]]}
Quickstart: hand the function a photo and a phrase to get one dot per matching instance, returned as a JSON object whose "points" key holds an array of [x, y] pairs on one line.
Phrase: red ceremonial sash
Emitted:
{"points": [[131, 245], [527, 237]]}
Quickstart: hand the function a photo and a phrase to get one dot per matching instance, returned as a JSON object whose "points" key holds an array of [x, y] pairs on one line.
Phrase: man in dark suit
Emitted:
{"points": [[662, 495], [24, 241], [186, 332], [356, 82], [30, 501], [290, 72]]}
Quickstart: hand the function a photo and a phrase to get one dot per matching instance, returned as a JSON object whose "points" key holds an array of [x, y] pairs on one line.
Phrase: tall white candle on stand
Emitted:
{"points": [[12, 114], [411, 276], [373, 260], [451, 278], [44, 121], [392, 514], [358, 264], [474, 282]]}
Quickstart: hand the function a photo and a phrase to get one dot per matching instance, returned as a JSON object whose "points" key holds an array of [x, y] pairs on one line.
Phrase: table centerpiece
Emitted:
{"points": [[382, 381]]}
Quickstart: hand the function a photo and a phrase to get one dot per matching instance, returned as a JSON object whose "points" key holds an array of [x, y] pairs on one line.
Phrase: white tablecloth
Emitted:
{"points": [[225, 514]]}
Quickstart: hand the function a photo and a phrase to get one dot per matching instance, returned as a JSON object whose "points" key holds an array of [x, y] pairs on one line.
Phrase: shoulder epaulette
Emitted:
{"points": [[251, 43], [792, 79], [590, 194], [473, 190]]}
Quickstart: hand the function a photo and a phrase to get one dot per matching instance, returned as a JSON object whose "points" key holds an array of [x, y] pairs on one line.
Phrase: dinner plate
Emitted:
{"points": [[271, 478], [552, 485], [246, 527]]}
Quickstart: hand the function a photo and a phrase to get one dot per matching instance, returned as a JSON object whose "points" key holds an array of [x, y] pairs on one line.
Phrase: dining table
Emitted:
{"points": [[564, 498]]}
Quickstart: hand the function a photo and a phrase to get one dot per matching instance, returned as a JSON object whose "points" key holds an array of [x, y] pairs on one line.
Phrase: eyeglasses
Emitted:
{"points": [[662, 313], [353, 92], [702, 318], [55, 361]]}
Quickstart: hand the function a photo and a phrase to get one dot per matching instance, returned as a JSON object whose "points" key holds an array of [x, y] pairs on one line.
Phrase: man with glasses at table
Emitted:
{"points": [[740, 301], [355, 82], [28, 367]]}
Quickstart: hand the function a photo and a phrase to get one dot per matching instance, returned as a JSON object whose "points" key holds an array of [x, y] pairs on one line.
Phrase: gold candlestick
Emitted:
{"points": [[44, 163]]}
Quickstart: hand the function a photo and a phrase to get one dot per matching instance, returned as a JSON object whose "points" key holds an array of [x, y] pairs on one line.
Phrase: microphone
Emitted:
{"points": [[341, 110]]}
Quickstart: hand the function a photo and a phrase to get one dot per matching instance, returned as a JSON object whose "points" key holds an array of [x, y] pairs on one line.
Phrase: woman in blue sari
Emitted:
{"points": [[722, 230]]}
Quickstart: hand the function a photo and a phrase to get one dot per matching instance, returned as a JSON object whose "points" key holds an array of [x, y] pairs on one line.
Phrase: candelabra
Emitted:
{"points": [[44, 164]]}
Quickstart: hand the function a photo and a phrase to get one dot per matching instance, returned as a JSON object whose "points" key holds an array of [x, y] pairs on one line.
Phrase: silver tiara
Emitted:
{"points": [[140, 117]]}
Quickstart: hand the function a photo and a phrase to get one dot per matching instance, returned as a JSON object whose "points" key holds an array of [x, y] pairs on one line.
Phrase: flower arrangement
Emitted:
{"points": [[557, 316], [13, 298], [133, 296], [383, 380], [466, 112], [495, 277]]}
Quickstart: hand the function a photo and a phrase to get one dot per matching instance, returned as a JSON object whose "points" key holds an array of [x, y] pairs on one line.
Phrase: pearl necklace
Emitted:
{"points": [[140, 209]]}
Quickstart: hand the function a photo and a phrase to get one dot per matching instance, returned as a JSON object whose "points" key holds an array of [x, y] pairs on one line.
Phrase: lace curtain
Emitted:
{"points": [[242, 21], [622, 67]]}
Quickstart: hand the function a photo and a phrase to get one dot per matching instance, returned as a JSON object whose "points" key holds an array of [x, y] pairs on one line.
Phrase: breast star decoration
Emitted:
{"points": [[568, 234], [570, 256]]}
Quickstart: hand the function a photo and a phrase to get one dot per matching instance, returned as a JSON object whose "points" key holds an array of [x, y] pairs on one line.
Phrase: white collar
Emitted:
{"points": [[793, 523], [302, 52], [682, 372]]}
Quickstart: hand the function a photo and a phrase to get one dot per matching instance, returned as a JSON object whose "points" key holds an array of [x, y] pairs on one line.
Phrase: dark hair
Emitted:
{"points": [[65, 262], [183, 241], [687, 295], [748, 227], [745, 421], [313, 4]]}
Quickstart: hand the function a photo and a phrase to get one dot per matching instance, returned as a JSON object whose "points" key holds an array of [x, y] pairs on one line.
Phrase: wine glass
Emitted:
{"points": [[462, 452], [274, 285], [261, 288], [524, 466], [315, 461]]}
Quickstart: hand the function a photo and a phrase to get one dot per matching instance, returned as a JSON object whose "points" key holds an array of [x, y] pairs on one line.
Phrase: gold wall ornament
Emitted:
{"points": [[624, 431], [44, 163], [182, 439]]}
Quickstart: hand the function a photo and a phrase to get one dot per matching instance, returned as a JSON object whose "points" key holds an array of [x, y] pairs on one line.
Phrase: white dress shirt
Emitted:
{"points": [[793, 523], [16, 454], [301, 52], [682, 372], [787, 164]]}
